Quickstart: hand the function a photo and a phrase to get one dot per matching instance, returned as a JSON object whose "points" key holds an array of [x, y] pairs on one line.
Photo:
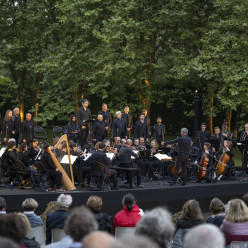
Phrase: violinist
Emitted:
{"points": [[224, 160], [216, 139], [72, 129], [205, 163], [244, 140], [117, 144], [136, 144], [99, 129], [33, 151], [8, 126]]}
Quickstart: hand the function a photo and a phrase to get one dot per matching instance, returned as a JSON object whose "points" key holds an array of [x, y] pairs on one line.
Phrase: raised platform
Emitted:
{"points": [[155, 194]]}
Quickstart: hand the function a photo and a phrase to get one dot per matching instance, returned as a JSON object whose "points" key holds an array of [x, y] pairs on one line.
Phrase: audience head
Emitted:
{"points": [[64, 201], [216, 206], [25, 222], [237, 211], [29, 204], [132, 241], [94, 203], [11, 144], [7, 243], [2, 204], [245, 199], [207, 235], [79, 223], [128, 201], [157, 225], [98, 239], [191, 210]]}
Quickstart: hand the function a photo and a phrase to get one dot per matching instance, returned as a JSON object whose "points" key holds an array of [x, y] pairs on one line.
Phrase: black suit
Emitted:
{"points": [[141, 129], [201, 138], [119, 128], [82, 116], [216, 142], [129, 121], [159, 132], [101, 157], [107, 118], [27, 131], [99, 131], [17, 120], [54, 219]]}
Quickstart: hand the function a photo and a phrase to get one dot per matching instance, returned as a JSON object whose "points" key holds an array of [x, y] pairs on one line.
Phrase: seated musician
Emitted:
{"points": [[72, 129], [153, 162], [52, 171], [100, 156], [117, 144], [206, 156], [220, 156], [216, 140], [136, 144], [125, 160], [22, 155], [244, 141], [9, 157], [33, 151], [123, 142]]}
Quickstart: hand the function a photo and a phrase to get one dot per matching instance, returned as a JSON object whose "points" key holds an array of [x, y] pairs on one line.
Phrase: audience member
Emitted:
{"points": [[236, 219], [207, 235], [245, 199], [51, 207], [105, 222], [57, 218], [129, 215], [98, 239], [133, 242], [2, 206], [217, 209], [157, 225], [29, 206], [7, 243], [80, 222], [191, 216]]}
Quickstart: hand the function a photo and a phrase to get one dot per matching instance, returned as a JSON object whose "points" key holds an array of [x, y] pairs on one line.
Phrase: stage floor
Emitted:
{"points": [[155, 194]]}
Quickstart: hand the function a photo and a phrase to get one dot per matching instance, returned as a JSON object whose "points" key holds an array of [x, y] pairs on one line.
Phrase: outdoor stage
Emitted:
{"points": [[153, 195]]}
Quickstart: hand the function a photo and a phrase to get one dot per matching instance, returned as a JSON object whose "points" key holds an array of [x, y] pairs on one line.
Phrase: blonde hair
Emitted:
{"points": [[29, 204], [94, 202], [237, 211]]}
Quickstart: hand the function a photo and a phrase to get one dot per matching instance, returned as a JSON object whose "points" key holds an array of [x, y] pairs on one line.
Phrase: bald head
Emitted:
{"points": [[129, 142], [98, 239]]}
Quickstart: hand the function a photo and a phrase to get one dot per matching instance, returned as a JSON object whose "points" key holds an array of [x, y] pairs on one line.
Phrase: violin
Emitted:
{"points": [[203, 166], [110, 149]]}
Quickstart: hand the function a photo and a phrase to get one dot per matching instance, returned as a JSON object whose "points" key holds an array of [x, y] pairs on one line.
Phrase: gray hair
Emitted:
{"points": [[185, 130], [157, 225], [132, 241], [64, 200], [208, 235], [16, 109], [129, 142], [118, 112]]}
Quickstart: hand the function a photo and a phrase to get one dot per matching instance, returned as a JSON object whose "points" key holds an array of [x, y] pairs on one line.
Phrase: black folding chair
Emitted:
{"points": [[40, 133], [58, 131], [42, 172], [23, 175]]}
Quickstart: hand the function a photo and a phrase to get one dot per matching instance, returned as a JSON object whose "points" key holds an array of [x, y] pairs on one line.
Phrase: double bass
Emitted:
{"points": [[223, 161], [203, 166]]}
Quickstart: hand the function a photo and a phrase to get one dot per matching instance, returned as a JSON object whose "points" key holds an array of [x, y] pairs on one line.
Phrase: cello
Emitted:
{"points": [[224, 159], [203, 166]]}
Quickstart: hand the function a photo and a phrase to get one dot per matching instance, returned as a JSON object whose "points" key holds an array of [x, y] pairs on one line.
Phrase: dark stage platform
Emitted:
{"points": [[153, 195]]}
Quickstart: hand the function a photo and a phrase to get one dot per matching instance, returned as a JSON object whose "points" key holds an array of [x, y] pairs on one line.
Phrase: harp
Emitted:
{"points": [[66, 181]]}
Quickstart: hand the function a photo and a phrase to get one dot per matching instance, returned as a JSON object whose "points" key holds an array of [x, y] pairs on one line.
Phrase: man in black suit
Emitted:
{"points": [[184, 143], [129, 120], [83, 115], [101, 157], [141, 128], [159, 130], [202, 136], [17, 121], [107, 118], [244, 139], [98, 130], [119, 126], [27, 130], [57, 218]]}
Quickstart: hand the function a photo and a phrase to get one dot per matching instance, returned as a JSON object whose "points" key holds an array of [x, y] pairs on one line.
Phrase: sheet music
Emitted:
{"points": [[65, 159], [110, 155], [2, 151], [160, 156], [87, 156]]}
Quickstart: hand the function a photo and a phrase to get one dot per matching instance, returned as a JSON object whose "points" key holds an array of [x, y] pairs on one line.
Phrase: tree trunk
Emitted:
{"points": [[229, 117]]}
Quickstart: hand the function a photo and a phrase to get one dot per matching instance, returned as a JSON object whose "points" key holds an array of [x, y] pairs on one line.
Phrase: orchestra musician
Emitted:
{"points": [[216, 139], [27, 130], [8, 126], [184, 144], [244, 140], [119, 126], [147, 121], [205, 163], [117, 144], [202, 136], [72, 129], [52, 171], [83, 115], [99, 129], [125, 161], [220, 155], [159, 131], [129, 120], [17, 120], [33, 151], [141, 128], [107, 118]]}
